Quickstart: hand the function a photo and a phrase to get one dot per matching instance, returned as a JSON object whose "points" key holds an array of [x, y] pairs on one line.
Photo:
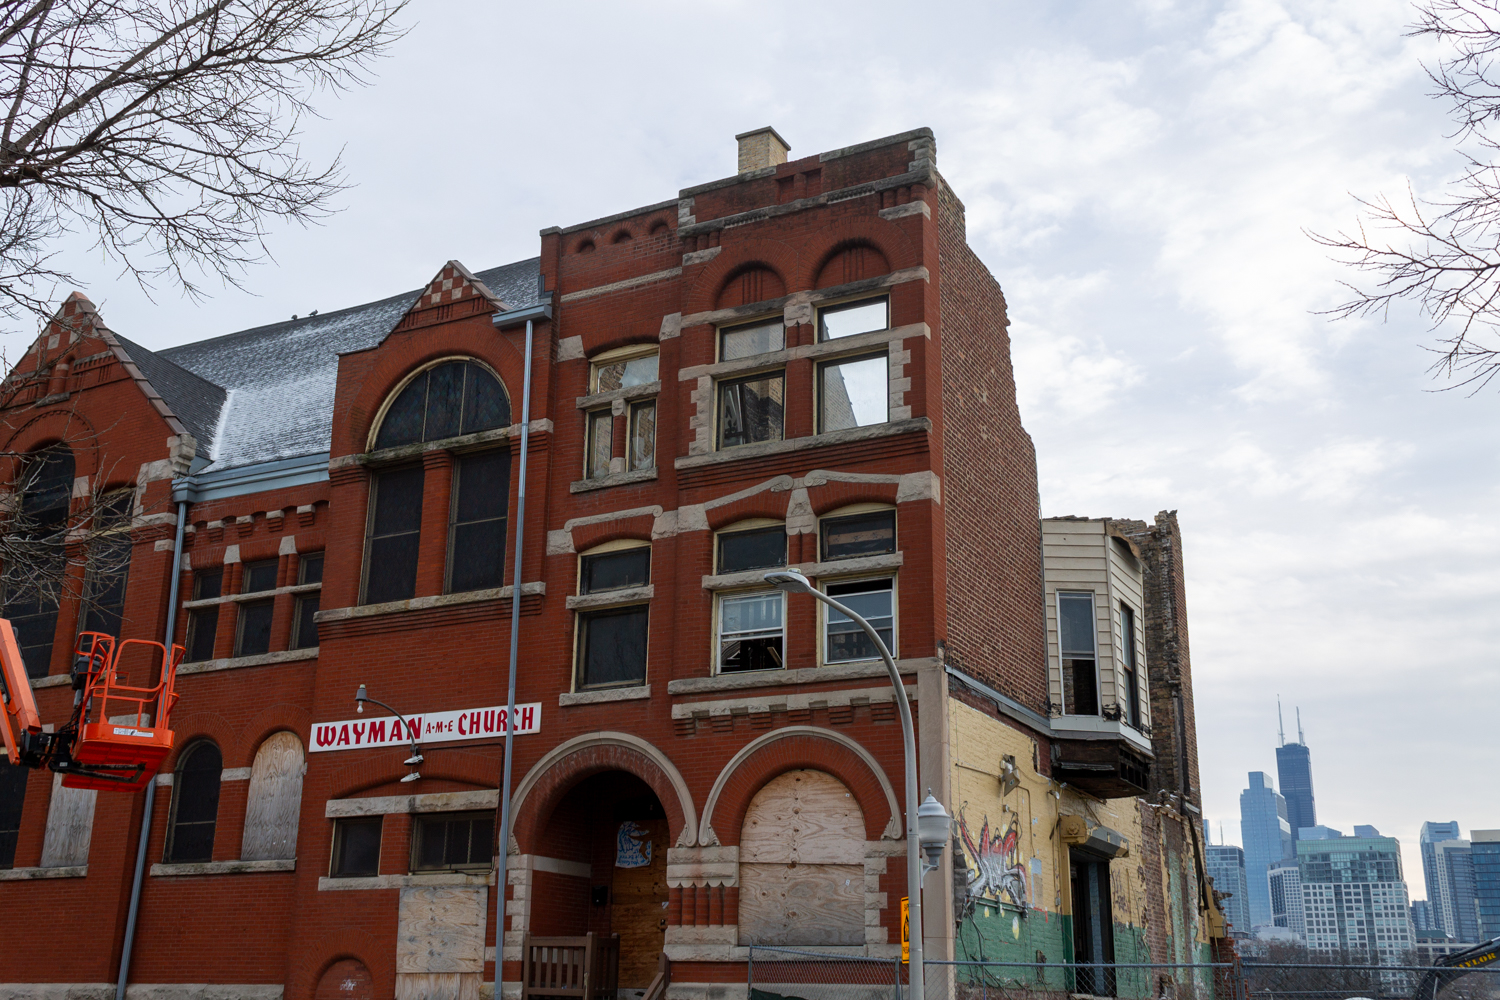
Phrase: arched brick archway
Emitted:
{"points": [[572, 761], [792, 748]]}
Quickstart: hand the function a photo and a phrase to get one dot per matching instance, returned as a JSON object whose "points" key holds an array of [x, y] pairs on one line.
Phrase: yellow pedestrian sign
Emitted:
{"points": [[905, 931]]}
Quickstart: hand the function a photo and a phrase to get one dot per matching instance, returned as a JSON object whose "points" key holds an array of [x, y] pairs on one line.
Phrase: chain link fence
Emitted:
{"points": [[791, 974]]}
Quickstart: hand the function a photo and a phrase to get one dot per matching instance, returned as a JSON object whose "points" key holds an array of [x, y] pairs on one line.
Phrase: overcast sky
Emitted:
{"points": [[1138, 176]]}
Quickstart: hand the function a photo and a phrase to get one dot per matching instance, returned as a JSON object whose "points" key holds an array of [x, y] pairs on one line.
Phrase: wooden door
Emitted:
{"points": [[638, 903]]}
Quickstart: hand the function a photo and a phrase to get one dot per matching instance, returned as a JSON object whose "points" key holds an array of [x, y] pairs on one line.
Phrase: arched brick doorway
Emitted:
{"points": [[601, 866]]}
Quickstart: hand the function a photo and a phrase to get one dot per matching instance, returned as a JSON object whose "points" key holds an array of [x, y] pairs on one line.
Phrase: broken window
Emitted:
{"points": [[612, 640], [479, 513], [642, 437], [12, 799], [203, 623], [1132, 699], [394, 535], [853, 392], [195, 804], [853, 535], [453, 398], [872, 600], [305, 618], [453, 841], [752, 339], [356, 847], [751, 409], [600, 449], [611, 372], [852, 318], [1077, 646], [752, 631], [755, 548]]}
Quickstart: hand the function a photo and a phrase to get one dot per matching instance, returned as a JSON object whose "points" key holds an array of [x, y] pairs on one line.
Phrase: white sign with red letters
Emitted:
{"points": [[431, 727]]}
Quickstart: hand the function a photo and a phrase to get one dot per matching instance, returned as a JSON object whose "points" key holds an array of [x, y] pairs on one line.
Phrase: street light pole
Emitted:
{"points": [[793, 582]]}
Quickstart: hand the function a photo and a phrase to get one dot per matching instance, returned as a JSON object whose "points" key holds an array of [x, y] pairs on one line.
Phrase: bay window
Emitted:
{"points": [[1077, 648]]}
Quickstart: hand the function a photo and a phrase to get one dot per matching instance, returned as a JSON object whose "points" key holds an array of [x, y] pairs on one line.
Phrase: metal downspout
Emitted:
{"points": [[140, 851], [503, 878]]}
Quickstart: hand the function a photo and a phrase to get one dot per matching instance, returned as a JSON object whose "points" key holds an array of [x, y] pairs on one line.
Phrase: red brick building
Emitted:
{"points": [[801, 365]]}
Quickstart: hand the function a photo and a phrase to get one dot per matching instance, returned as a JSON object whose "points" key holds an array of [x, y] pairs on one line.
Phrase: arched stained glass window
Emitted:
{"points": [[453, 398], [195, 804]]}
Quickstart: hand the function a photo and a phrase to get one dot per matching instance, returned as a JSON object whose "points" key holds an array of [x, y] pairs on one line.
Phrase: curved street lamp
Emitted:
{"points": [[928, 826], [360, 697]]}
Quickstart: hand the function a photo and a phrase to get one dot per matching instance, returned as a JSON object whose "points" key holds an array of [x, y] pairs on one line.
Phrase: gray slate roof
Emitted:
{"points": [[266, 394]]}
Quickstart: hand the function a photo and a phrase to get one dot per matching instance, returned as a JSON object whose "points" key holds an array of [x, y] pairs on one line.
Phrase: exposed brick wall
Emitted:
{"points": [[994, 627]]}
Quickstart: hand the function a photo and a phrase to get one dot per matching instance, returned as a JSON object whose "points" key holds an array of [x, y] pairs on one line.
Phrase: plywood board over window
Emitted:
{"points": [[802, 849], [440, 942], [70, 826], [275, 799]]}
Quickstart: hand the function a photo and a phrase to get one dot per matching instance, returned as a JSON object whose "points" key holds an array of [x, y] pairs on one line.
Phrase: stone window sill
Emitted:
{"points": [[56, 680], [601, 399], [610, 598], [421, 603], [743, 451], [236, 662], [254, 595], [427, 802], [842, 345], [225, 867], [813, 571], [791, 678], [326, 884], [606, 695], [26, 874], [613, 479], [465, 442]]}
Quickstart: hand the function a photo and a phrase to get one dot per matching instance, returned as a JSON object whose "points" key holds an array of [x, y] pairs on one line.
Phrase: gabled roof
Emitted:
{"points": [[278, 380], [197, 402]]}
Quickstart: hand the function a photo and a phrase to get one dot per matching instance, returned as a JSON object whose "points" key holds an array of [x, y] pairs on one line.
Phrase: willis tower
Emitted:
{"points": [[1294, 774]]}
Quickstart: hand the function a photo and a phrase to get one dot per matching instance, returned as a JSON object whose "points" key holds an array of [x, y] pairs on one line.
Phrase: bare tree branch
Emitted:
{"points": [[167, 129], [1443, 254]]}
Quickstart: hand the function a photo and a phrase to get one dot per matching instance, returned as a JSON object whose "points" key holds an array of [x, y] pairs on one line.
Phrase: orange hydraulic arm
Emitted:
{"points": [[19, 721]]}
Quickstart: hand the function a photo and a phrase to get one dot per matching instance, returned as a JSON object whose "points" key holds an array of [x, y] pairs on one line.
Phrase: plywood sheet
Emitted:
{"points": [[638, 910], [70, 826], [441, 929], [437, 985], [802, 904], [806, 817], [275, 800]]}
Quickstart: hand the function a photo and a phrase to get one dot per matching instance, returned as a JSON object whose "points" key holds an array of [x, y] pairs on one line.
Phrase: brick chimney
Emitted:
{"points": [[761, 148]]}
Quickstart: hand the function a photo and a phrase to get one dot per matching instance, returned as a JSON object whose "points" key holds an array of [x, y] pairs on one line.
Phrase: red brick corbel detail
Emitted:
{"points": [[735, 257], [887, 237], [587, 536]]}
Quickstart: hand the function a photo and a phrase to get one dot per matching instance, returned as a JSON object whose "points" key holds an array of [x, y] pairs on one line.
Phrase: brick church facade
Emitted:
{"points": [[801, 365]]}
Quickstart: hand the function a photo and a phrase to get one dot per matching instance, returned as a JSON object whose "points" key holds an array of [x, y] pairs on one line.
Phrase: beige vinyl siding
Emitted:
{"points": [[1128, 586]]}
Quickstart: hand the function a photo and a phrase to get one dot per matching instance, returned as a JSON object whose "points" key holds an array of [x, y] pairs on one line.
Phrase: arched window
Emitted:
{"points": [[195, 804], [275, 800], [12, 800], [802, 848], [109, 564], [453, 398], [33, 576]]}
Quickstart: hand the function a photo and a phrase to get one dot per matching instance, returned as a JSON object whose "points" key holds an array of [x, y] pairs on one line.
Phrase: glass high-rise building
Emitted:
{"points": [[1226, 866], [1485, 855], [1354, 898], [1294, 774], [1448, 872], [1267, 836]]}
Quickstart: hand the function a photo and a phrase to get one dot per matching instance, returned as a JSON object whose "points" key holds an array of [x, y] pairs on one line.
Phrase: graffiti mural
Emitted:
{"points": [[993, 860]]}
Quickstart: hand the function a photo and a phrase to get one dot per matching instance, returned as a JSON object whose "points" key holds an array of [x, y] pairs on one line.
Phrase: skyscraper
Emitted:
{"points": [[1455, 867], [1294, 772], [1431, 835], [1268, 839], [1485, 854], [1226, 866], [1355, 899], [1285, 879]]}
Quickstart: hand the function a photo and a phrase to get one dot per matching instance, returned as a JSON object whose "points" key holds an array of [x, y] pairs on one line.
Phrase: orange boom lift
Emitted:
{"points": [[117, 736]]}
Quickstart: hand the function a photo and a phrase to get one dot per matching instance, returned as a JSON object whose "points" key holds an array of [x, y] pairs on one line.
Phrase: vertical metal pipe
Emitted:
{"points": [[503, 877], [140, 850]]}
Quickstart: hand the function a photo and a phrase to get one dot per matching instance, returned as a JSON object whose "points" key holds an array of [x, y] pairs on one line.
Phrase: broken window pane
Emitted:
{"points": [[756, 338], [600, 444], [853, 318], [643, 436], [750, 410], [853, 393], [624, 374]]}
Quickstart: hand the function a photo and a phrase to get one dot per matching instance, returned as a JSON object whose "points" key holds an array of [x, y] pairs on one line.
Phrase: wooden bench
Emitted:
{"points": [[581, 968]]}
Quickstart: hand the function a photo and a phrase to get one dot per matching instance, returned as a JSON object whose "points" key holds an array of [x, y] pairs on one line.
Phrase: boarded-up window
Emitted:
{"points": [[440, 942], [70, 825], [802, 876], [275, 800]]}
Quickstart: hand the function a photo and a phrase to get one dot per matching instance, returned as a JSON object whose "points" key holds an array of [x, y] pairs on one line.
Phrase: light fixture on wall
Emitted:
{"points": [[360, 697], [934, 829]]}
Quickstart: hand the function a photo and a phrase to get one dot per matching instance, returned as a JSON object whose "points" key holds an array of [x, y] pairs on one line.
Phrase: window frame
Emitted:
{"points": [[12, 777], [240, 618], [824, 364], [739, 378], [823, 611], [371, 504], [770, 319], [455, 484], [629, 603], [846, 305], [336, 847], [106, 535], [752, 526], [631, 422], [210, 613], [303, 600], [1129, 666], [853, 511], [420, 820], [619, 355], [1063, 657], [170, 847], [591, 425], [418, 372], [717, 635]]}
